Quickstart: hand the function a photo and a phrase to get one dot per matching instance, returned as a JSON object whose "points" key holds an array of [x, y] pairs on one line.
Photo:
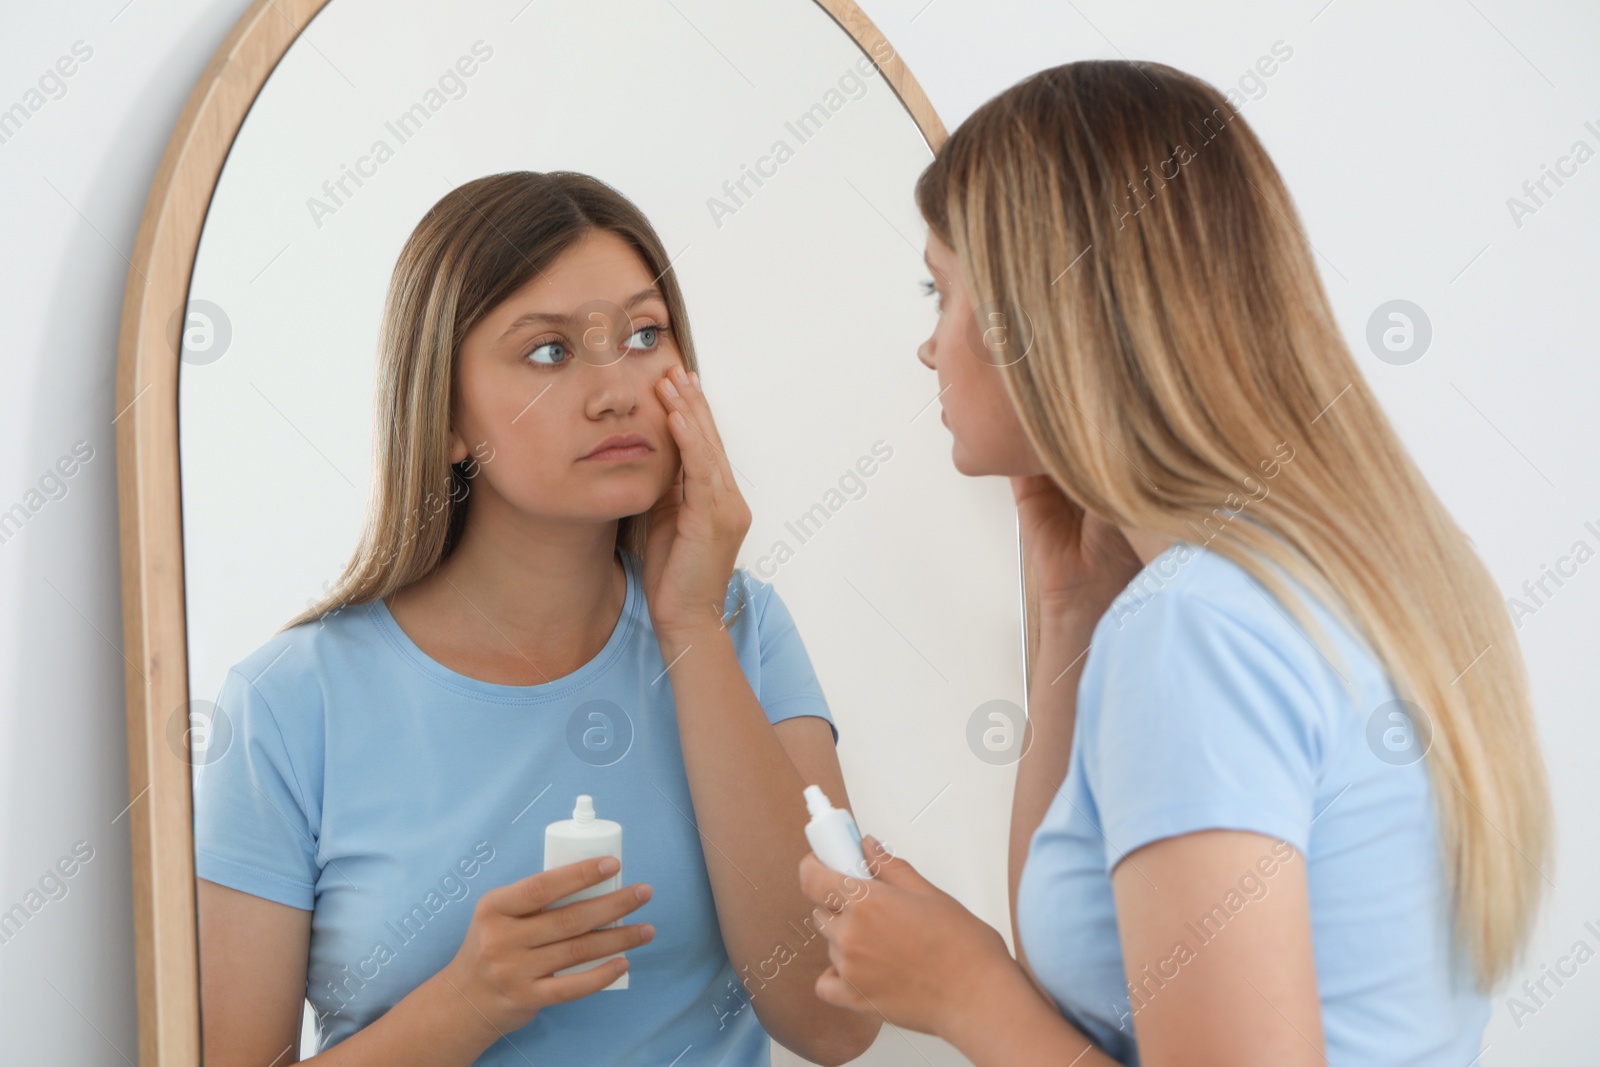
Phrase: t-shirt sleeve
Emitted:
{"points": [[788, 684], [252, 830], [1203, 721]]}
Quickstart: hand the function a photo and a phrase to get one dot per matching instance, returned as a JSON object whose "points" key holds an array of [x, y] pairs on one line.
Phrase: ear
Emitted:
{"points": [[458, 447]]}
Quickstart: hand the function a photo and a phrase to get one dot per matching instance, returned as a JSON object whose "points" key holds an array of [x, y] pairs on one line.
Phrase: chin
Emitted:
{"points": [[964, 464], [639, 495]]}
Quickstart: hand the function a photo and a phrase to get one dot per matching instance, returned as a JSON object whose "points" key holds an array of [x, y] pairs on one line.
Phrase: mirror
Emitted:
{"points": [[774, 152]]}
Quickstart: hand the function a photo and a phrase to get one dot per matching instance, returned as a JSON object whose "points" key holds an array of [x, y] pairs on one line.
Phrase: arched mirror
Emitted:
{"points": [[774, 148]]}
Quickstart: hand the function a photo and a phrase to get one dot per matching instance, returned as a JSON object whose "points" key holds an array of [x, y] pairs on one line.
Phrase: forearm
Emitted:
{"points": [[1006, 1022], [432, 1026], [1052, 713], [747, 803]]}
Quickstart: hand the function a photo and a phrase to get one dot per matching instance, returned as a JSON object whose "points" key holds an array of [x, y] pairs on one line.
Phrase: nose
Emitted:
{"points": [[925, 353], [614, 388]]}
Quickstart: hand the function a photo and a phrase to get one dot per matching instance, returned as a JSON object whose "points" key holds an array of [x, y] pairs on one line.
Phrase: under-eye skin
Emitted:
{"points": [[657, 329]]}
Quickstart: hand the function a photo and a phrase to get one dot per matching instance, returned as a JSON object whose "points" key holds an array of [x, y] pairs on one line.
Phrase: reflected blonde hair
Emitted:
{"points": [[480, 243], [1123, 220]]}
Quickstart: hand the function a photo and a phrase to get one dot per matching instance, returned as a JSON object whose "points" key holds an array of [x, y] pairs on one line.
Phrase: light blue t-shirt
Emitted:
{"points": [[352, 775], [1203, 705]]}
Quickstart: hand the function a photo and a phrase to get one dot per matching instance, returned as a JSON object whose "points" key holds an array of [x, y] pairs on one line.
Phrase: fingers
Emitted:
{"points": [[822, 917], [538, 891], [571, 920], [890, 868], [699, 408], [832, 988], [591, 946], [558, 989], [705, 460], [824, 885], [662, 512], [695, 470]]}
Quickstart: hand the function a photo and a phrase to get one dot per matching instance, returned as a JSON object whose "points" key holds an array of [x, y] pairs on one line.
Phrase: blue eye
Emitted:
{"points": [[652, 329], [655, 330], [533, 356]]}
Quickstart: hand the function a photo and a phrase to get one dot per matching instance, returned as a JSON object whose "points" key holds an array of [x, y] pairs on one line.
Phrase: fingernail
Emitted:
{"points": [[682, 375], [646, 932], [666, 383], [643, 892], [694, 376], [610, 865]]}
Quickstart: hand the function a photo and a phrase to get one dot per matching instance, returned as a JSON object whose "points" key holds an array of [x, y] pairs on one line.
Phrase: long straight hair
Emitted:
{"points": [[480, 243], [1164, 337]]}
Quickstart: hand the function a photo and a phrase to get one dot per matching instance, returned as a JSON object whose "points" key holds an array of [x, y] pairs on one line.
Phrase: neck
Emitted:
{"points": [[538, 580]]}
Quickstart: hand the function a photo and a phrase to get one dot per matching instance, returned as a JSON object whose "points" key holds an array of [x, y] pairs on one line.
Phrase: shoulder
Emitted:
{"points": [[758, 603], [748, 594], [291, 668], [1203, 704], [1190, 603], [1196, 649]]}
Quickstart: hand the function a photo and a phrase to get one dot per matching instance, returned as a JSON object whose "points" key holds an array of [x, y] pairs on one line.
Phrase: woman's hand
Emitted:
{"points": [[697, 525], [1080, 561], [899, 946], [516, 942]]}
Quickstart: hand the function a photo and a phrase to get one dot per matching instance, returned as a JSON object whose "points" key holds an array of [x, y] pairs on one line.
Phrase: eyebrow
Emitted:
{"points": [[533, 317]]}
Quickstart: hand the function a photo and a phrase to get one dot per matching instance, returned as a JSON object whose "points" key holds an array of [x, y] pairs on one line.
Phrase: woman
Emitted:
{"points": [[1255, 619], [372, 837]]}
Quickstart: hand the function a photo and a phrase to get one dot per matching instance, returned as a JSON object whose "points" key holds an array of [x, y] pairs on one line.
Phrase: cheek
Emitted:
{"points": [[950, 344], [981, 408], [961, 369], [484, 413], [532, 457], [653, 410]]}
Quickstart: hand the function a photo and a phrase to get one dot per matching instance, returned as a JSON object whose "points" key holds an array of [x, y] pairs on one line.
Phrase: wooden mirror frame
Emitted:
{"points": [[155, 643]]}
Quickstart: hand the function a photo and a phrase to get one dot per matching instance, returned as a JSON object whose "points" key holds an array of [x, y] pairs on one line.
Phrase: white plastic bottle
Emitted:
{"points": [[833, 835], [584, 837]]}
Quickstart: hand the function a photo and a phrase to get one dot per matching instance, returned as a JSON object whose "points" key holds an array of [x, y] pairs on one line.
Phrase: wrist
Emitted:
{"points": [[1070, 617], [1062, 644], [987, 998], [1002, 1015], [449, 1004], [677, 639]]}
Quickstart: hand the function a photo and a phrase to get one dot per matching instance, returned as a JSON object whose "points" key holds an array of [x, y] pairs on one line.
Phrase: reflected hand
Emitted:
{"points": [[899, 946], [516, 942], [697, 526], [1081, 561]]}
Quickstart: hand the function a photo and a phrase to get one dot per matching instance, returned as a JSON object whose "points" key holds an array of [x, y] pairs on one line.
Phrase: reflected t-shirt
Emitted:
{"points": [[1204, 705], [352, 775]]}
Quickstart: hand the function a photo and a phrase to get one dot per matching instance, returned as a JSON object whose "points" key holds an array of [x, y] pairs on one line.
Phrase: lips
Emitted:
{"points": [[620, 446]]}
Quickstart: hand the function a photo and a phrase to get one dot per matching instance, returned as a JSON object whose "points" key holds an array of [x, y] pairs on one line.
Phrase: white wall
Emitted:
{"points": [[1401, 133]]}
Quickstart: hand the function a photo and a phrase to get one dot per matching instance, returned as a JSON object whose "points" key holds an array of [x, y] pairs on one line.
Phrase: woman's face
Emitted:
{"points": [[988, 436], [567, 361]]}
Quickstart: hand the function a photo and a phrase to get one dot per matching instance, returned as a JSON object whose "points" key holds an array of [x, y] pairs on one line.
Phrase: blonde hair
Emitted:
{"points": [[480, 243], [1167, 334]]}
